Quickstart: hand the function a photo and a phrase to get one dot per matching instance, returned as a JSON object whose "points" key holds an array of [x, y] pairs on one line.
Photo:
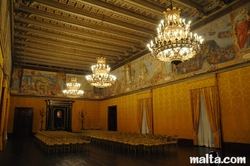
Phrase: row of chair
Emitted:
{"points": [[62, 141], [139, 143]]}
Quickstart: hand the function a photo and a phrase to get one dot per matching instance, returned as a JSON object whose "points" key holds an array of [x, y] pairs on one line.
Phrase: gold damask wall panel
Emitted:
{"points": [[91, 115], [172, 114], [171, 106], [234, 91], [36, 103], [126, 113], [1, 82], [91, 107], [1, 57]]}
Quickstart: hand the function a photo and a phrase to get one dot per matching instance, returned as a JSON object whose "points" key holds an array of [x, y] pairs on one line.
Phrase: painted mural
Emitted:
{"points": [[150, 72], [16, 80], [140, 73], [60, 83], [217, 48], [241, 31], [42, 83], [118, 87], [227, 42], [38, 83]]}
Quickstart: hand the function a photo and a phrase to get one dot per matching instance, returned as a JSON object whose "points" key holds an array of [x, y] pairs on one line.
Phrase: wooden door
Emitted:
{"points": [[112, 118], [23, 122]]}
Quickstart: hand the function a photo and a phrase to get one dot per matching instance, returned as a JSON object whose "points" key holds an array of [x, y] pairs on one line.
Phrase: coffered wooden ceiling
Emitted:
{"points": [[68, 35]]}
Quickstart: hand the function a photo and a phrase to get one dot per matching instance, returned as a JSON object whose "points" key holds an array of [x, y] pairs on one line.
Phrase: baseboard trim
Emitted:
{"points": [[225, 145], [185, 142], [236, 146], [12, 136]]}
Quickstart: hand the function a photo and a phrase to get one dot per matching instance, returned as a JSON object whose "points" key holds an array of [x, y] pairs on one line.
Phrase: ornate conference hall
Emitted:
{"points": [[124, 82]]}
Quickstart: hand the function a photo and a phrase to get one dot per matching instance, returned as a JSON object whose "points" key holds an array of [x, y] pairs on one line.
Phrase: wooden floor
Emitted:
{"points": [[26, 153]]}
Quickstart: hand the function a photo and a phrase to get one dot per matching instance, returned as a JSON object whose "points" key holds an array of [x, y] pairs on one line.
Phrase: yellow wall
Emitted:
{"points": [[126, 113], [234, 91], [172, 114], [92, 117], [171, 107], [37, 104]]}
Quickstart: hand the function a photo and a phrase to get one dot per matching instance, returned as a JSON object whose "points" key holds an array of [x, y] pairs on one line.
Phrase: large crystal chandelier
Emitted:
{"points": [[174, 42], [73, 90], [101, 77]]}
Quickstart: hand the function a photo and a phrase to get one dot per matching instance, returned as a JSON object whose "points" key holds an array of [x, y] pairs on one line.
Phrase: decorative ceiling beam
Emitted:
{"points": [[22, 53], [118, 11], [159, 10], [45, 53], [77, 46], [58, 63], [109, 32], [58, 37], [147, 5], [88, 53], [80, 57], [77, 12], [190, 4]]}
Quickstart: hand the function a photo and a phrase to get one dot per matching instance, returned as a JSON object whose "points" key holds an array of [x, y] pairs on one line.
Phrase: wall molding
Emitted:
{"points": [[144, 94], [201, 78]]}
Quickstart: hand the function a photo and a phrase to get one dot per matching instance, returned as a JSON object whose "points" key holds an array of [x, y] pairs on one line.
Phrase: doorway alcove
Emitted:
{"points": [[59, 115]]}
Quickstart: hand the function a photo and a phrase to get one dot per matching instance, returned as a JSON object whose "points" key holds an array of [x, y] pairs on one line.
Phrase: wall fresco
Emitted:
{"points": [[60, 83], [118, 87], [240, 19], [141, 73], [16, 79], [39, 83], [217, 48], [42, 83], [227, 42]]}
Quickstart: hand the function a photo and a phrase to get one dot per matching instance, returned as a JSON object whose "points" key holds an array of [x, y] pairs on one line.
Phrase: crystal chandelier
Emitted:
{"points": [[101, 77], [72, 90], [174, 42]]}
